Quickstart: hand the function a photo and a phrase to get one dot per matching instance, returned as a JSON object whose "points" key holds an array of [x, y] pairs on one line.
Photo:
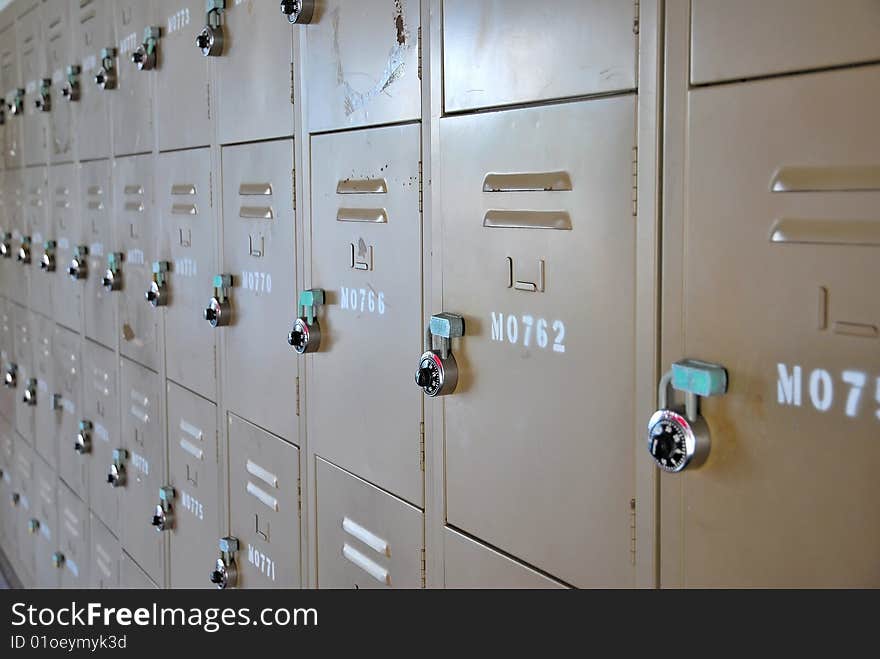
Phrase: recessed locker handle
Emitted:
{"points": [[256, 212], [372, 568], [369, 538], [527, 219], [370, 215], [362, 186], [527, 182]]}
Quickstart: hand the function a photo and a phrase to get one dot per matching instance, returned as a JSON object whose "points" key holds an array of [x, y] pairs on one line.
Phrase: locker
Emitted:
{"points": [[139, 323], [731, 41], [101, 410], [366, 253], [264, 506], [30, 30], [73, 531], [36, 226], [93, 32], [133, 576], [45, 416], [16, 275], [193, 457], [11, 76], [539, 259], [188, 241], [131, 104], [69, 236], [471, 564], [99, 318], [143, 438], [367, 538], [8, 513], [9, 390], [182, 87], [106, 556], [785, 209], [45, 512], [26, 376], [253, 74], [73, 466], [362, 63], [500, 52], [22, 502], [258, 251], [59, 52]]}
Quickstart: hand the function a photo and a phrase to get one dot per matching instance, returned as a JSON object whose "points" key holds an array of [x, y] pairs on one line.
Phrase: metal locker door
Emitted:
{"points": [[106, 556], [264, 509], [254, 73], [731, 41], [367, 538], [470, 564], [11, 76], [500, 52], [182, 86], [59, 50], [30, 33], [25, 375], [9, 390], [8, 514], [16, 275], [133, 576], [131, 105], [36, 223], [539, 258], [139, 323], [193, 469], [69, 237], [101, 414], [259, 248], [189, 233], [99, 318], [73, 463], [145, 469], [367, 254], [45, 424], [362, 63], [22, 501], [779, 255], [43, 525], [73, 532], [93, 25]]}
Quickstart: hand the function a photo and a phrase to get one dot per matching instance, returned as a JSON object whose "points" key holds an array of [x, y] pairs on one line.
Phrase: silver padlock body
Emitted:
{"points": [[675, 442], [218, 313], [305, 337], [443, 373]]}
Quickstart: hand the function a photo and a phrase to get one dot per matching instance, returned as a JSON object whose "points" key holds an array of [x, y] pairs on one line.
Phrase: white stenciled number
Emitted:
{"points": [[820, 385], [821, 390], [541, 333], [857, 381], [362, 300], [558, 342], [528, 322], [534, 331]]}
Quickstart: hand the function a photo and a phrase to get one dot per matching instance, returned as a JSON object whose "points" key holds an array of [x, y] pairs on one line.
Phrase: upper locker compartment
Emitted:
{"points": [[751, 38], [31, 35], [37, 231], [59, 49], [367, 254], [138, 61], [253, 73], [13, 102], [95, 84], [501, 52], [783, 198], [362, 63], [64, 203], [539, 243], [182, 87]]}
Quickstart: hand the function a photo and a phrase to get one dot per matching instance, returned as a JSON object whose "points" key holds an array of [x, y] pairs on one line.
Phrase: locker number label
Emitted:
{"points": [[528, 331], [193, 505], [258, 282], [818, 388], [261, 561], [362, 300], [178, 20]]}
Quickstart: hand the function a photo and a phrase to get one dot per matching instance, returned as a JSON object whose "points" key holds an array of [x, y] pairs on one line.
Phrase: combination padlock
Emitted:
{"points": [[306, 333], [29, 397], [437, 374], [210, 40], [33, 525], [10, 376], [83, 442], [678, 436], [105, 78], [112, 279], [116, 476], [43, 101], [145, 56], [58, 559], [16, 105], [6, 245], [47, 259], [24, 250], [225, 573], [163, 516], [299, 12], [71, 90], [79, 264], [219, 311], [157, 294]]}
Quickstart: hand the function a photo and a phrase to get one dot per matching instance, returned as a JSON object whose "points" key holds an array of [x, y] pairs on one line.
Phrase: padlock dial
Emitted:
{"points": [[305, 337], [675, 442], [435, 375]]}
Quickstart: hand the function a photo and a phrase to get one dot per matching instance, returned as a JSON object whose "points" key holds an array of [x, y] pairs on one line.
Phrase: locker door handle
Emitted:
{"points": [[372, 568], [362, 186], [528, 182]]}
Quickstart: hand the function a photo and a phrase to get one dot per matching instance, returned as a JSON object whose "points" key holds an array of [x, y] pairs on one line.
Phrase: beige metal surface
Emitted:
{"points": [[64, 405], [35, 181], [93, 31], [133, 576], [11, 76], [16, 276], [7, 358], [64, 218], [105, 555], [45, 537], [73, 535], [23, 491], [24, 360], [131, 103], [8, 513], [32, 55], [99, 318], [45, 439], [58, 46]]}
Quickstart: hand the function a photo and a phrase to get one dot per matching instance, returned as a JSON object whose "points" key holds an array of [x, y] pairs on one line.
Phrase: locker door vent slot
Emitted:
{"points": [[366, 536], [262, 496], [505, 219], [825, 231], [370, 215], [256, 212], [534, 182], [372, 568], [826, 179], [362, 186]]}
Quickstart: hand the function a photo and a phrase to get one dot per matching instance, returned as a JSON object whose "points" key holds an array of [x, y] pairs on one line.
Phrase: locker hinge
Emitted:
{"points": [[636, 19], [635, 181], [420, 51], [293, 186], [424, 570], [422, 445], [211, 189], [420, 186], [297, 395], [291, 84], [208, 92], [299, 497], [632, 531]]}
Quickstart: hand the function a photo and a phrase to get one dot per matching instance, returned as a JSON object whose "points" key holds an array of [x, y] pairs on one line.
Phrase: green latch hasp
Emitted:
{"points": [[698, 377], [447, 325], [309, 301]]}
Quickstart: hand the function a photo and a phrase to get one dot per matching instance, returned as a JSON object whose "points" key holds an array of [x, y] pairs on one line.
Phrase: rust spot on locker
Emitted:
{"points": [[127, 332], [399, 25]]}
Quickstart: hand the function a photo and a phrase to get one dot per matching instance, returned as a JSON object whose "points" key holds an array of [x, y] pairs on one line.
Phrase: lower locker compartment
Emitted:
{"points": [[73, 532], [105, 556], [44, 526], [22, 502], [133, 576]]}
